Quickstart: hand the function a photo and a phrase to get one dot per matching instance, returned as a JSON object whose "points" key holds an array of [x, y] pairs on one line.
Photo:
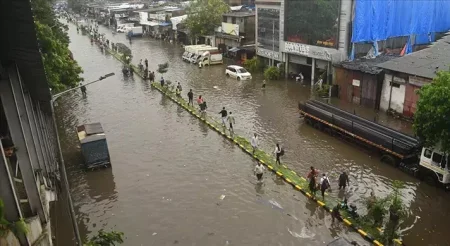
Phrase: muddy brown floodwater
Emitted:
{"points": [[169, 170]]}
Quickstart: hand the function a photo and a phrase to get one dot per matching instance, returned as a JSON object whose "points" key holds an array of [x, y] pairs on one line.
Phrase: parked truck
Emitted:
{"points": [[211, 58], [199, 51], [189, 51], [395, 148], [135, 31]]}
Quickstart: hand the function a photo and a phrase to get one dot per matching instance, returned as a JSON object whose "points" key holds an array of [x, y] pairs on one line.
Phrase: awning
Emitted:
{"points": [[234, 49], [177, 20], [165, 24], [148, 23], [236, 8]]}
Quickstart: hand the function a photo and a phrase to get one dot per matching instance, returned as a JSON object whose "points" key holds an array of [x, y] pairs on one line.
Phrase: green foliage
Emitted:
{"points": [[376, 210], [272, 73], [163, 68], [18, 227], [254, 64], [322, 91], [432, 118], [204, 16], [106, 239], [61, 69]]}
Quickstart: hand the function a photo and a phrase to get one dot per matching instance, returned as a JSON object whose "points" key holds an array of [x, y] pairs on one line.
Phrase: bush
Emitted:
{"points": [[272, 73], [254, 64], [322, 91]]}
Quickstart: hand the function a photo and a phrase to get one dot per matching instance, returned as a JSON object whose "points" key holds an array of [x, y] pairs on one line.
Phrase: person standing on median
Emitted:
{"points": [[231, 121], [277, 153], [224, 114], [191, 98], [259, 170], [324, 185], [255, 143]]}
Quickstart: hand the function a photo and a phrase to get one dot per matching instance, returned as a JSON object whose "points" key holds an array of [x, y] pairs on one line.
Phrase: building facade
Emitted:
{"points": [[237, 29], [295, 34], [270, 30]]}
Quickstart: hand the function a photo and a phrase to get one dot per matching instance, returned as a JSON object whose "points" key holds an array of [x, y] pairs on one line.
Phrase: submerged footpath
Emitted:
{"points": [[298, 182]]}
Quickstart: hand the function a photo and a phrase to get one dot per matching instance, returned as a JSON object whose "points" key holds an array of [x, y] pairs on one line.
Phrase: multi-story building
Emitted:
{"points": [[302, 35], [238, 29]]}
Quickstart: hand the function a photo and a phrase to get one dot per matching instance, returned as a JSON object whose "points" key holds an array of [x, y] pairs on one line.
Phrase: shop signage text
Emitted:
{"points": [[268, 53], [308, 50]]}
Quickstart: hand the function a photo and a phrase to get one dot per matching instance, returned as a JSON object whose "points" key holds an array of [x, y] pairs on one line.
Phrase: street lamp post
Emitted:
{"points": [[62, 166]]}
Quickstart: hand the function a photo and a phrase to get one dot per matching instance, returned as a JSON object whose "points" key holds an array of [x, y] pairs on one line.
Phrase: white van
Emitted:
{"points": [[237, 72]]}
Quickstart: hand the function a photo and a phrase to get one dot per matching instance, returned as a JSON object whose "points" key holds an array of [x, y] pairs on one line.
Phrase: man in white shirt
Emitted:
{"points": [[259, 170], [254, 142], [324, 184]]}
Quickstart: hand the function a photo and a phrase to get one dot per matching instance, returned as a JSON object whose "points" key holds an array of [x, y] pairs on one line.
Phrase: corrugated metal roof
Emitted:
{"points": [[424, 63], [19, 45], [367, 65]]}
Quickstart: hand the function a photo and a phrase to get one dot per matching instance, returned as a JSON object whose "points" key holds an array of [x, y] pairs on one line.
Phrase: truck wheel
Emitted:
{"points": [[238, 78], [318, 126], [308, 121], [228, 75], [429, 180], [388, 159]]}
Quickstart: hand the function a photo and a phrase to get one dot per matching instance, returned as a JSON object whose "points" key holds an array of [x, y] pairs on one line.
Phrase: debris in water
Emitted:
{"points": [[222, 197], [275, 204], [148, 175], [154, 233], [303, 233]]}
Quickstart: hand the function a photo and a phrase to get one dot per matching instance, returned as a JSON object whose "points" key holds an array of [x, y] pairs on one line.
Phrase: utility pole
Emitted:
{"points": [[273, 42]]}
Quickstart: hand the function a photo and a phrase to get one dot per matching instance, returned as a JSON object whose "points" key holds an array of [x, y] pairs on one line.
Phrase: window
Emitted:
{"points": [[233, 20], [427, 153], [224, 19], [396, 85], [437, 158], [241, 70]]}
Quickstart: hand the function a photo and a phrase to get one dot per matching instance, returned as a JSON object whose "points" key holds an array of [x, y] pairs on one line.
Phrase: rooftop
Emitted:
{"points": [[424, 63], [239, 14], [367, 65]]}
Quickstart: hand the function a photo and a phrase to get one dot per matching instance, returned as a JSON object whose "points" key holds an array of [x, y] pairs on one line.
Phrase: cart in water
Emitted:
{"points": [[94, 147]]}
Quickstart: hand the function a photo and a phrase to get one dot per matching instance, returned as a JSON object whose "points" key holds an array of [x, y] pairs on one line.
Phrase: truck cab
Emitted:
{"points": [[435, 167]]}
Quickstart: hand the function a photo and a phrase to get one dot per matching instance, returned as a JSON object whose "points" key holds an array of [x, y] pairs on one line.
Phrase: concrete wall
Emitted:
{"points": [[392, 97]]}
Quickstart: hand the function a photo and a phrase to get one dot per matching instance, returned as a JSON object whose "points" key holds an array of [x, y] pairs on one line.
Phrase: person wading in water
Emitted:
{"points": [[343, 180], [259, 170]]}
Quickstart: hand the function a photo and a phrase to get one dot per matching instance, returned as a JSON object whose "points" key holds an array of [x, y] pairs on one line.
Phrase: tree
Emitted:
{"points": [[61, 69], [432, 118], [272, 73], [204, 16], [254, 64]]}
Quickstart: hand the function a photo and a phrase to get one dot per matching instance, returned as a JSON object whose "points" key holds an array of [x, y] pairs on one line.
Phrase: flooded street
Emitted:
{"points": [[170, 171]]}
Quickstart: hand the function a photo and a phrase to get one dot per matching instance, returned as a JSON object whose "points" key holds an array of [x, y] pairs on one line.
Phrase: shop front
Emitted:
{"points": [[313, 62]]}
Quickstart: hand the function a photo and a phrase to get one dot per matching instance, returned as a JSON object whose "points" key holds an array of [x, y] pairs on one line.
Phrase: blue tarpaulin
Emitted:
{"points": [[377, 20]]}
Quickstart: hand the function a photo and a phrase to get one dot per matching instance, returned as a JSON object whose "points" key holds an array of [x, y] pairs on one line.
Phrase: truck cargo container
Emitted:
{"points": [[395, 148]]}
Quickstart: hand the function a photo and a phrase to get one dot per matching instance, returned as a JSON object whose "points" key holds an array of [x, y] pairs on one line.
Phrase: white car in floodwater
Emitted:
{"points": [[237, 72]]}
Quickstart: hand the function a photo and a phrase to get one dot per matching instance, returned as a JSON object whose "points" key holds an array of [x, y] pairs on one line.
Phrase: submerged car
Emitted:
{"points": [[94, 147], [237, 72]]}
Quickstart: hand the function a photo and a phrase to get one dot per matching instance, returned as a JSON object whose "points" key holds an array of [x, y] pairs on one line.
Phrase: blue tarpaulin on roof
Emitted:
{"points": [[165, 24], [382, 19]]}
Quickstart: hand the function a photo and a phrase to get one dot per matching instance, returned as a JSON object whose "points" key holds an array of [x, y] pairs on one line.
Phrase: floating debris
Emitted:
{"points": [[222, 197]]}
